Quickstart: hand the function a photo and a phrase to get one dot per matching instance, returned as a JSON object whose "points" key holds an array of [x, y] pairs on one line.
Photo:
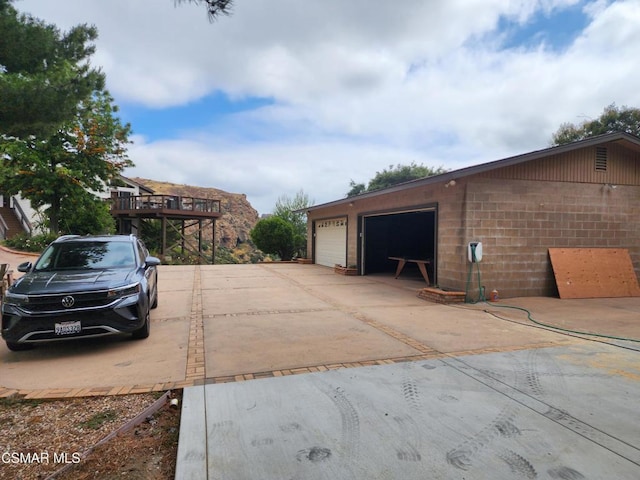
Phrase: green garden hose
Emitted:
{"points": [[577, 332], [481, 298]]}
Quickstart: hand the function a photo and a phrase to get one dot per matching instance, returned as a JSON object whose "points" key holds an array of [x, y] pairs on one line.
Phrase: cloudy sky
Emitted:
{"points": [[290, 95]]}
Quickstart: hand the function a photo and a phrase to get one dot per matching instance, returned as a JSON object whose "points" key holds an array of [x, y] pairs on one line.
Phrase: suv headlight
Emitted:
{"points": [[124, 291], [16, 299]]}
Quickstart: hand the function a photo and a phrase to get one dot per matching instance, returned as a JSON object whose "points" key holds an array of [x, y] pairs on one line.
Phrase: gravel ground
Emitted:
{"points": [[40, 437]]}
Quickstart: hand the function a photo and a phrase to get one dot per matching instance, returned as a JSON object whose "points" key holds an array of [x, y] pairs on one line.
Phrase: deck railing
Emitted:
{"points": [[166, 202], [22, 217], [3, 228]]}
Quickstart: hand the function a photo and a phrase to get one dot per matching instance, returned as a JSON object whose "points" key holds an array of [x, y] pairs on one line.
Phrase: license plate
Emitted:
{"points": [[67, 328]]}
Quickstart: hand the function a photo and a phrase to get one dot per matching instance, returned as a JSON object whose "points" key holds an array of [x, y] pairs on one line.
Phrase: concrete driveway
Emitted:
{"points": [[221, 323], [295, 372], [432, 391]]}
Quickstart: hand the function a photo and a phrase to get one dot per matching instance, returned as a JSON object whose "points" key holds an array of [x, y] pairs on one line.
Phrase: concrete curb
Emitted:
{"points": [[18, 252]]}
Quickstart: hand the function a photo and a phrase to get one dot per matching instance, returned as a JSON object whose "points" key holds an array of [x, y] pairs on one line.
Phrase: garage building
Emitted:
{"points": [[585, 194]]}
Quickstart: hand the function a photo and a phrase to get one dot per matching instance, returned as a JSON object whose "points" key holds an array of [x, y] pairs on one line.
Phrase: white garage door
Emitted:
{"points": [[331, 242]]}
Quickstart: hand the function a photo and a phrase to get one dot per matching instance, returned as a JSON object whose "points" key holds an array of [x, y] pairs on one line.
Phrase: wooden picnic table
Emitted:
{"points": [[422, 265]]}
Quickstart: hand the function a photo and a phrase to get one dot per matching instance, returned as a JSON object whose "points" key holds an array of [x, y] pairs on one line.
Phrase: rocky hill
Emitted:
{"points": [[239, 217]]}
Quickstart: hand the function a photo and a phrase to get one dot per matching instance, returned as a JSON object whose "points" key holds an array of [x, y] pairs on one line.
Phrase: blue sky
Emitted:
{"points": [[173, 122], [556, 29], [289, 95]]}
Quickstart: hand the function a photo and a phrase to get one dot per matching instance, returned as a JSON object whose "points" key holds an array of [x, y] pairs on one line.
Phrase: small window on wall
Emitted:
{"points": [[601, 159]]}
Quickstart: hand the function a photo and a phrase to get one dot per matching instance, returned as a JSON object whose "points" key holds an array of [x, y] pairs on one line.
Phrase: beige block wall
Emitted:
{"points": [[516, 221]]}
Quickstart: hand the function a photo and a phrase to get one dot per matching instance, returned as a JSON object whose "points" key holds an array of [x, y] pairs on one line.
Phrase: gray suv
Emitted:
{"points": [[82, 286]]}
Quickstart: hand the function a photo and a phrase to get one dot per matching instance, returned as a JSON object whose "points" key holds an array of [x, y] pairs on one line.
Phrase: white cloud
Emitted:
{"points": [[357, 85], [322, 170]]}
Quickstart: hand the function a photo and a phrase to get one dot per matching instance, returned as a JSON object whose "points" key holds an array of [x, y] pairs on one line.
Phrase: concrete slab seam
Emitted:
{"points": [[368, 363], [360, 316]]}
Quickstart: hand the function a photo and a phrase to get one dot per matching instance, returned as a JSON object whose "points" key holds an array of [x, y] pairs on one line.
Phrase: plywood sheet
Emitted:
{"points": [[594, 272]]}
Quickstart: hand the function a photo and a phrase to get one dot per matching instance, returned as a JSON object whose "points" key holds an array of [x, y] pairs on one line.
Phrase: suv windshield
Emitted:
{"points": [[89, 255]]}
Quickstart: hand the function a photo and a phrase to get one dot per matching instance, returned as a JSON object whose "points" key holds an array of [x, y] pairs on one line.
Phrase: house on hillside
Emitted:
{"points": [[132, 204], [584, 194], [17, 215]]}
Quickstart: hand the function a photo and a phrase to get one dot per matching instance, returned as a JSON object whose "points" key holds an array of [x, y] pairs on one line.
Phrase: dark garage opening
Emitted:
{"points": [[410, 235]]}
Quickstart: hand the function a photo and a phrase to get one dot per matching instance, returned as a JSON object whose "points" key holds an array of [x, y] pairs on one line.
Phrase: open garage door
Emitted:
{"points": [[331, 242], [408, 234]]}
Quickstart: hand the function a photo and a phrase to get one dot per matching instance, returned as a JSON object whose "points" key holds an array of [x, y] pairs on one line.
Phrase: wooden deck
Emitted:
{"points": [[168, 206]]}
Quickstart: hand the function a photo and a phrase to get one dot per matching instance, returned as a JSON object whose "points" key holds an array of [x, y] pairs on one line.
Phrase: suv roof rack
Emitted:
{"points": [[66, 237]]}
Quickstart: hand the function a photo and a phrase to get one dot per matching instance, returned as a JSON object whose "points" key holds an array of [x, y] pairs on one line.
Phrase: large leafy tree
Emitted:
{"points": [[83, 155], [44, 74], [613, 119], [393, 176], [292, 210]]}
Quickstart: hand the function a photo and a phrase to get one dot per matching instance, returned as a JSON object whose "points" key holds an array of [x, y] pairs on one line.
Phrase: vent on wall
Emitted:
{"points": [[601, 159]]}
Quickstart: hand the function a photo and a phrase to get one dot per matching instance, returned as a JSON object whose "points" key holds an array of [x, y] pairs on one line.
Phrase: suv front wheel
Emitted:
{"points": [[18, 347], [143, 332]]}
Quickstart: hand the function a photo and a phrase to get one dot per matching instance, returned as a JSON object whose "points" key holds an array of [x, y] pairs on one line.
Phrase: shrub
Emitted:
{"points": [[274, 235], [25, 243]]}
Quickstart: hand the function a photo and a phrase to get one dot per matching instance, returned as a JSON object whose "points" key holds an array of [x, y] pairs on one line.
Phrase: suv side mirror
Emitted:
{"points": [[25, 267], [151, 261]]}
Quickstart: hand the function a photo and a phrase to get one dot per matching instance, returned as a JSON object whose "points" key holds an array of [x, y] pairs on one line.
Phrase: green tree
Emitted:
{"points": [[85, 154], [44, 75], [613, 119], [274, 235], [356, 188], [293, 211], [393, 176], [84, 214]]}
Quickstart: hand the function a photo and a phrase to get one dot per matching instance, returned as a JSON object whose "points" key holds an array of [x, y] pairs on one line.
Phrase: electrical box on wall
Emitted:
{"points": [[475, 251]]}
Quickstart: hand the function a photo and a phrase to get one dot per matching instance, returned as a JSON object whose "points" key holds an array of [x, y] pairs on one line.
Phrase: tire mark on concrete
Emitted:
{"points": [[409, 431], [610, 442], [314, 454], [518, 465], [411, 394], [528, 380], [550, 370], [220, 431], [462, 456], [565, 418], [565, 473], [350, 424], [531, 376]]}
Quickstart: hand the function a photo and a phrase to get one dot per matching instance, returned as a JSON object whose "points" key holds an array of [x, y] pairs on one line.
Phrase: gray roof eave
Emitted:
{"points": [[136, 184]]}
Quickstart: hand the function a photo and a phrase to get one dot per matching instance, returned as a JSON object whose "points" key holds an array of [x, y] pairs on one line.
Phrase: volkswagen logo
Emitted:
{"points": [[68, 301]]}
